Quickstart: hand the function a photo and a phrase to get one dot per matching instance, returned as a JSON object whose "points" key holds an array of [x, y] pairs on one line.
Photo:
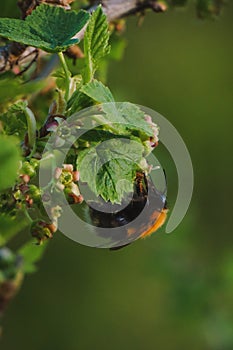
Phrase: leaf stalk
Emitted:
{"points": [[67, 74]]}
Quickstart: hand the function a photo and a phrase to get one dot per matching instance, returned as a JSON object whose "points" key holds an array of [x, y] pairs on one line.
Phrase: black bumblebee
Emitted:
{"points": [[144, 214]]}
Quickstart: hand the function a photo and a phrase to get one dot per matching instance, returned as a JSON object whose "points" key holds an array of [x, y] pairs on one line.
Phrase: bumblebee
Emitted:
{"points": [[144, 214]]}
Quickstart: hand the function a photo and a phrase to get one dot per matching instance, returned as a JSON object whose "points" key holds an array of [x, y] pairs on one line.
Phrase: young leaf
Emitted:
{"points": [[110, 167], [97, 91], [128, 117], [21, 106], [14, 123], [31, 253], [96, 44], [49, 28], [95, 136], [131, 118], [78, 101], [18, 106], [83, 97], [9, 160], [115, 179]]}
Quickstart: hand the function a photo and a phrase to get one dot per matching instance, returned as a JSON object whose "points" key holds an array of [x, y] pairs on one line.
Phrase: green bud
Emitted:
{"points": [[35, 193], [42, 231], [34, 162], [28, 169]]}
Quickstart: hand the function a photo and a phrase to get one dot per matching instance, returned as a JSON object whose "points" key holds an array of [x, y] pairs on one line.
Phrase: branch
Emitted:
{"points": [[14, 53], [115, 9]]}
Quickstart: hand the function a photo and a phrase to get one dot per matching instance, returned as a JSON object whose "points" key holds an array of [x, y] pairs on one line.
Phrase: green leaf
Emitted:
{"points": [[110, 167], [97, 91], [31, 254], [18, 106], [132, 119], [96, 44], [94, 136], [75, 81], [49, 28], [60, 78], [78, 101], [21, 106], [9, 160], [118, 45], [115, 180], [14, 124], [128, 116], [83, 97]]}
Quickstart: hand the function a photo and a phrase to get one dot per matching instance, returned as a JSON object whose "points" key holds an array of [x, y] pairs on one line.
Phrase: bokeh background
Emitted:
{"points": [[171, 291]]}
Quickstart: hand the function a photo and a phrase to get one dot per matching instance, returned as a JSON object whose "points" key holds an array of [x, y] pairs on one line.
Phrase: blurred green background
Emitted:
{"points": [[169, 291]]}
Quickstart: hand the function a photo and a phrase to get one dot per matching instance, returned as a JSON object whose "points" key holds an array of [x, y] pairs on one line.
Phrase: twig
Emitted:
{"points": [[115, 9]]}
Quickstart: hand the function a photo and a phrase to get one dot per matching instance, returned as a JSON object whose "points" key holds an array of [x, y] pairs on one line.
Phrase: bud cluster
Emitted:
{"points": [[67, 180]]}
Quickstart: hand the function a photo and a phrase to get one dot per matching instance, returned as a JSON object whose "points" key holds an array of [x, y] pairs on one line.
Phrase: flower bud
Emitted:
{"points": [[28, 169], [34, 193], [42, 231]]}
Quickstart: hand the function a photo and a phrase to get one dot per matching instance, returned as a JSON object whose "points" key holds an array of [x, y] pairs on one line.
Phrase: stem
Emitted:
{"points": [[88, 72], [31, 121], [67, 74], [27, 215]]}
